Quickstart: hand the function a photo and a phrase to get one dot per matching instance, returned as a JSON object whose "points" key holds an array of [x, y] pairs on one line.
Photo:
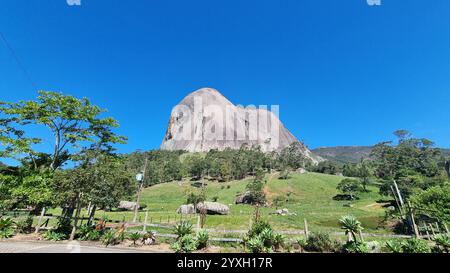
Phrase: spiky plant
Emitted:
{"points": [[351, 226], [134, 237]]}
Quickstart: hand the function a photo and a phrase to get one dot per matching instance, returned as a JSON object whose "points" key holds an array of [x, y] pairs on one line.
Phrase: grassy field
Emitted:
{"points": [[310, 196]]}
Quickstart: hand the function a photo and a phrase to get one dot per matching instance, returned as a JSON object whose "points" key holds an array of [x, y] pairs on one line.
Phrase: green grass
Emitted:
{"points": [[311, 198]]}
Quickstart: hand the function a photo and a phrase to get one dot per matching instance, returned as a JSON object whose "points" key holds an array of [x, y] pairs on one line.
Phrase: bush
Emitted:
{"points": [[185, 244], [442, 243], [25, 225], [64, 226], [355, 247], [109, 238], [53, 235], [415, 246], [256, 245], [134, 237], [202, 239], [183, 228], [302, 243], [6, 228], [262, 239], [279, 241], [320, 242], [394, 246]]}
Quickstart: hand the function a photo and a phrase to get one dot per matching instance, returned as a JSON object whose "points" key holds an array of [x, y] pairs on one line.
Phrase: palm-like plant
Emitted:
{"points": [[443, 242], [6, 228], [134, 237], [352, 226], [182, 229]]}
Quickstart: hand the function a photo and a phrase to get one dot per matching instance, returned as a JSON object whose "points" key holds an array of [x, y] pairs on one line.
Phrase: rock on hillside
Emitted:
{"points": [[206, 120]]}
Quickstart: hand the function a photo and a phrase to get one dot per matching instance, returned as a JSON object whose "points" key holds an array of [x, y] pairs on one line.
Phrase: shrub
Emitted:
{"points": [[302, 243], [109, 238], [53, 235], [415, 245], [262, 239], [25, 225], [185, 244], [256, 245], [64, 226], [135, 236], [394, 246], [93, 235], [257, 228], [279, 241], [183, 228], [202, 239], [149, 238], [320, 242], [83, 231], [355, 247], [6, 228], [442, 243]]}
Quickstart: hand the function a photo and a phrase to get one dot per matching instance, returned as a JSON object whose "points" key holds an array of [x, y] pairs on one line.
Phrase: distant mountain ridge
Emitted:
{"points": [[351, 154]]}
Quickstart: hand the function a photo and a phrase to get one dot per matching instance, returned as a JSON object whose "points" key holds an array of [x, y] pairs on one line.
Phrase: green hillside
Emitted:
{"points": [[310, 197]]}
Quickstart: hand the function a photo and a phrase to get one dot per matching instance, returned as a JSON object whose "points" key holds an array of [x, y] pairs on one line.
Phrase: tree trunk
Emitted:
{"points": [[75, 223], [92, 214]]}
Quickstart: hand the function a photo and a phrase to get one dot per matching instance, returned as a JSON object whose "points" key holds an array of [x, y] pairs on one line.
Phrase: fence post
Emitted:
{"points": [[145, 221], [198, 224], [432, 230], [416, 230], [40, 221], [306, 230]]}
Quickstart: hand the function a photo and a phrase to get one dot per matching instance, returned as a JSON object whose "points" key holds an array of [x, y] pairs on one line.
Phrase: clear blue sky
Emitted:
{"points": [[343, 72]]}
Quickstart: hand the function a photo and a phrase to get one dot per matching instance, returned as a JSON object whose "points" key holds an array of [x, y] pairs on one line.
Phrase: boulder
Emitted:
{"points": [[244, 198], [186, 209], [213, 208], [282, 212], [301, 171], [127, 205]]}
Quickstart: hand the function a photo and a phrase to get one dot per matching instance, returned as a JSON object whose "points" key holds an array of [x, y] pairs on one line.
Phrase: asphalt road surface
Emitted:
{"points": [[48, 247]]}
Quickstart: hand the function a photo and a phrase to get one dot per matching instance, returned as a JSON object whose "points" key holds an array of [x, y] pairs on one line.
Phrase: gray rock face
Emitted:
{"points": [[244, 198], [213, 208], [186, 209], [206, 120], [126, 205]]}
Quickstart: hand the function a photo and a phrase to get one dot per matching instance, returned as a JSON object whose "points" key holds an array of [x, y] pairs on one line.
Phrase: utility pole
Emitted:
{"points": [[142, 179]]}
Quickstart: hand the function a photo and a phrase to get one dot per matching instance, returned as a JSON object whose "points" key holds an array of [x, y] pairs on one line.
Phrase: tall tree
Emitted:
{"points": [[71, 121]]}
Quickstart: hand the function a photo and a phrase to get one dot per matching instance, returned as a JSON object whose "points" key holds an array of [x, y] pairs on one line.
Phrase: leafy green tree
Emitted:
{"points": [[256, 188], [350, 187], [364, 173], [434, 202], [71, 121]]}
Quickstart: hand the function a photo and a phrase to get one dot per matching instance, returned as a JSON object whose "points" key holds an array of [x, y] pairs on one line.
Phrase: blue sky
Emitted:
{"points": [[343, 72]]}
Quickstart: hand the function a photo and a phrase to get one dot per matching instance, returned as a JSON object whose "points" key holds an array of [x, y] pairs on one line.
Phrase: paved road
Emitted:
{"points": [[48, 247]]}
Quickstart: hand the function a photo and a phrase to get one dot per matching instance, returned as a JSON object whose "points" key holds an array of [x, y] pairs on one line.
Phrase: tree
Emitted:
{"points": [[195, 165], [71, 121], [434, 202], [350, 187], [256, 188], [100, 180], [364, 173]]}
